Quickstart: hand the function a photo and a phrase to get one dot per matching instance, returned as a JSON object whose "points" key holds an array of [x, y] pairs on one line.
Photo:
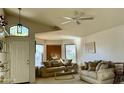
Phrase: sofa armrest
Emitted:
{"points": [[105, 74]]}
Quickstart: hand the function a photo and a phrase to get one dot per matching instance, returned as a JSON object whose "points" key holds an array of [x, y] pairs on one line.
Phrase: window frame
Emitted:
{"points": [[43, 50], [75, 50], [20, 36]]}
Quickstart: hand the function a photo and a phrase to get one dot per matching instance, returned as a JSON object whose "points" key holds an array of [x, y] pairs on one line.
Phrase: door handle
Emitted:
{"points": [[28, 62]]}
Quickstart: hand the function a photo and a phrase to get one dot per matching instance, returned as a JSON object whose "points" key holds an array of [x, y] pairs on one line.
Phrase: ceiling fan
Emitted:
{"points": [[78, 17]]}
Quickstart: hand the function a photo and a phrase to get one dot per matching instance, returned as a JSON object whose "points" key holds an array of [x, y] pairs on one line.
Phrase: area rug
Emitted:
{"points": [[51, 80], [65, 77]]}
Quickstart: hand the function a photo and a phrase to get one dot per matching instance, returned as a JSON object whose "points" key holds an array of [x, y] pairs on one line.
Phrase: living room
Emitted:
{"points": [[103, 43], [97, 38], [89, 35]]}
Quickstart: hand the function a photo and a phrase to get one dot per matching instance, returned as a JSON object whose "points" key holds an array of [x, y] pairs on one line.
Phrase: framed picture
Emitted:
{"points": [[90, 47]]}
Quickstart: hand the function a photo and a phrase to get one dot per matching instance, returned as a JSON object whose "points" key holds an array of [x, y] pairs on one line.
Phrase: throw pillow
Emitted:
{"points": [[86, 65], [92, 69], [47, 64], [55, 63], [69, 62], [60, 62], [92, 66], [98, 66]]}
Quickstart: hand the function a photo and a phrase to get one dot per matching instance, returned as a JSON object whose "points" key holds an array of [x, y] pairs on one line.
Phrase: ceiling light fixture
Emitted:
{"points": [[19, 25]]}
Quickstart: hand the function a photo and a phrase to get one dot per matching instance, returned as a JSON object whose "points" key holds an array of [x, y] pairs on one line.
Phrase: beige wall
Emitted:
{"points": [[109, 45], [55, 42], [1, 11]]}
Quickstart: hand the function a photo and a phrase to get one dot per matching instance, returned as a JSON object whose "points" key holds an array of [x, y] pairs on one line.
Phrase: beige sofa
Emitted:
{"points": [[100, 76], [52, 67], [61, 70]]}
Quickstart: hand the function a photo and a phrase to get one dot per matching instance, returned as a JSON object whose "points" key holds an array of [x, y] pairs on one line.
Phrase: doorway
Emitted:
{"points": [[19, 59]]}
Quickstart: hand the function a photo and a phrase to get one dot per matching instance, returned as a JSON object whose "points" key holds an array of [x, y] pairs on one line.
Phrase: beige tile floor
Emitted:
{"points": [[52, 80]]}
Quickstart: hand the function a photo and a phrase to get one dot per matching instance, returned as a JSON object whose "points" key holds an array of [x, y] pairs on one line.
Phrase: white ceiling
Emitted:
{"points": [[104, 19]]}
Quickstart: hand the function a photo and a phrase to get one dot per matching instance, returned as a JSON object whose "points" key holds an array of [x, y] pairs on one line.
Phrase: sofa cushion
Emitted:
{"points": [[98, 66], [56, 63], [105, 74], [84, 72], [104, 66], [68, 62], [53, 69], [92, 74]]}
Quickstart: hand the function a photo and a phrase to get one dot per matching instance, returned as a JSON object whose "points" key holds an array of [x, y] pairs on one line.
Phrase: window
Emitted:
{"points": [[70, 51], [14, 32], [39, 55], [1, 34]]}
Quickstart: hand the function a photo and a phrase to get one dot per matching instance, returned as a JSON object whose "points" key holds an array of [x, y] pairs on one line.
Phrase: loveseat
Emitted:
{"points": [[53, 66], [99, 72]]}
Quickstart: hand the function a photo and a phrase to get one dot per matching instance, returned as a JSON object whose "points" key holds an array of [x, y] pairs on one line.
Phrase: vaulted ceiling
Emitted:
{"points": [[104, 19]]}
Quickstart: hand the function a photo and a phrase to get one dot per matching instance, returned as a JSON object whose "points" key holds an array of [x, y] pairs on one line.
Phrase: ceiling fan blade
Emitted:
{"points": [[68, 18], [86, 18], [66, 22]]}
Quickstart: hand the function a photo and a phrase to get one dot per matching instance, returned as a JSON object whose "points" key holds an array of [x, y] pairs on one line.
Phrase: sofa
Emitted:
{"points": [[98, 72], [57, 66]]}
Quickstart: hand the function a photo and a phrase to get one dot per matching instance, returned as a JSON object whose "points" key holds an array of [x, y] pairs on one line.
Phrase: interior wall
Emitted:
{"points": [[109, 45], [1, 11], [55, 42]]}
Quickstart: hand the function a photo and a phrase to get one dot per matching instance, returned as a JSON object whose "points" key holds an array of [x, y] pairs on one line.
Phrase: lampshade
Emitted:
{"points": [[19, 28]]}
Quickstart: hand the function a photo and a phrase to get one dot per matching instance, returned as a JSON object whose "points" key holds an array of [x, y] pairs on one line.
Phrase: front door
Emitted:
{"points": [[19, 56]]}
